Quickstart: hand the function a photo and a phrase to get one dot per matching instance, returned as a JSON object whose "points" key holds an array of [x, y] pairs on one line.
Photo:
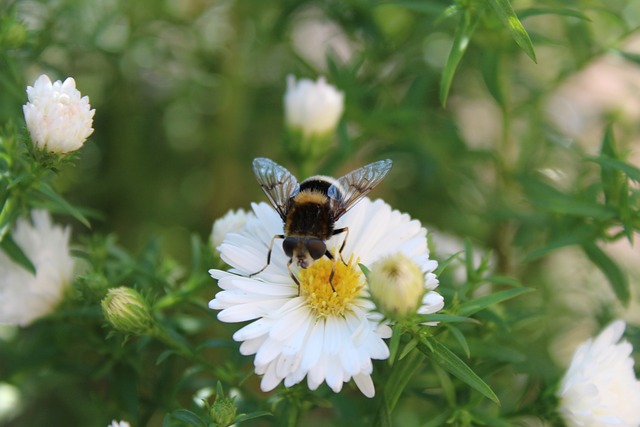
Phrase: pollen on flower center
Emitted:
{"points": [[324, 301]]}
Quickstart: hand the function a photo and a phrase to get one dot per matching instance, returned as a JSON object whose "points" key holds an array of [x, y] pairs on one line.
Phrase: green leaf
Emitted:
{"points": [[464, 30], [617, 278], [394, 345], [574, 237], [550, 199], [505, 12], [450, 362], [607, 162], [536, 11], [13, 251], [630, 56], [61, 204], [458, 335], [400, 377], [493, 75], [188, 417], [447, 318], [470, 307], [250, 416], [444, 264]]}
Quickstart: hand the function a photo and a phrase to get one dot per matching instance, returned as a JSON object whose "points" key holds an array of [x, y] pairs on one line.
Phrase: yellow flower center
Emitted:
{"points": [[324, 300]]}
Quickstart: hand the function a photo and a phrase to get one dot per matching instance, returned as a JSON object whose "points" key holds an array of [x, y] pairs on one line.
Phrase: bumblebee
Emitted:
{"points": [[311, 208]]}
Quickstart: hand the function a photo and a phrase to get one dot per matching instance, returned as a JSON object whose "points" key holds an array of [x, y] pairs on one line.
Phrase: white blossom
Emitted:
{"points": [[600, 388], [314, 108], [24, 296], [324, 331], [231, 222], [58, 117]]}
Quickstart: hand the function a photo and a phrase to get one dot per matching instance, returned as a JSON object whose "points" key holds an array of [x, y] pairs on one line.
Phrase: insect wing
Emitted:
{"points": [[348, 190], [276, 182]]}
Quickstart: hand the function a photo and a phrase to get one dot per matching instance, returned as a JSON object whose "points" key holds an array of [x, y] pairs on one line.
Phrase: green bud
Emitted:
{"points": [[127, 311], [396, 284], [223, 411]]}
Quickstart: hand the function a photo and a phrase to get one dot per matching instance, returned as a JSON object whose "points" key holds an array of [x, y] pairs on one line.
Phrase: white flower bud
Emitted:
{"points": [[397, 286], [313, 108], [58, 118]]}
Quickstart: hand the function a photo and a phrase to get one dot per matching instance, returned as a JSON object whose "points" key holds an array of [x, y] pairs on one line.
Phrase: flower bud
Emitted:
{"points": [[397, 286], [127, 311], [223, 411], [313, 108], [58, 117], [312, 113], [231, 222]]}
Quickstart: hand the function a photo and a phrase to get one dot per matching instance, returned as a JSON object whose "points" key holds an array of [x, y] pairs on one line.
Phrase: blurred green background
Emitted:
{"points": [[188, 92]]}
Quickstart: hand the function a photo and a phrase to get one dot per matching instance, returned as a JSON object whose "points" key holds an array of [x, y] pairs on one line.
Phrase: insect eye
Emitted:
{"points": [[316, 248], [289, 245]]}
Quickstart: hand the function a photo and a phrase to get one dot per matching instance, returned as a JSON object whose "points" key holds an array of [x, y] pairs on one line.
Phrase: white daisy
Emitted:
{"points": [[231, 222], [326, 336], [115, 423], [24, 296], [600, 387]]}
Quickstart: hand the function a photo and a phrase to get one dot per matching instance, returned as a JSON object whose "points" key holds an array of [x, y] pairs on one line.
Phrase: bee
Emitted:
{"points": [[310, 209]]}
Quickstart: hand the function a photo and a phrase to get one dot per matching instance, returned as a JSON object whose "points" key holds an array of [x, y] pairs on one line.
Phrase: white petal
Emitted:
{"points": [[365, 384]]}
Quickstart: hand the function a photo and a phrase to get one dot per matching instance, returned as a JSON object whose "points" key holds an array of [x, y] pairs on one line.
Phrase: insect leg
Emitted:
{"points": [[293, 276], [333, 268], [344, 242], [277, 236]]}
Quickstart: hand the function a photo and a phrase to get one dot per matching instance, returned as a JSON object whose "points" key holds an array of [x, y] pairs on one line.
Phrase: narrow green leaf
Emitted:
{"points": [[630, 56], [448, 389], [536, 11], [509, 19], [617, 278], [450, 362], [15, 252], [408, 348], [400, 377], [188, 417], [550, 199], [470, 307], [461, 340], [503, 280], [61, 204], [575, 237], [631, 171], [464, 30], [444, 264], [428, 8], [394, 345], [493, 75], [446, 318], [250, 416]]}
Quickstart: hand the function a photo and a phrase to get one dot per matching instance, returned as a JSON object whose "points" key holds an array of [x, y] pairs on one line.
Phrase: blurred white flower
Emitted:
{"points": [[58, 118], [231, 222], [600, 388], [25, 297], [115, 423], [324, 331], [314, 108]]}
